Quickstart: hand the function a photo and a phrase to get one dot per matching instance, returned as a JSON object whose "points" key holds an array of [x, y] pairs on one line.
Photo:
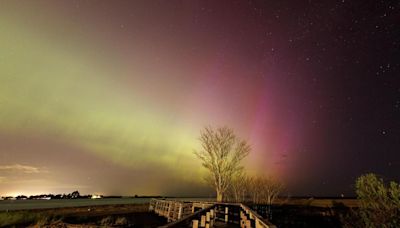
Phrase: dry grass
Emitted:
{"points": [[318, 202], [40, 217], [25, 218]]}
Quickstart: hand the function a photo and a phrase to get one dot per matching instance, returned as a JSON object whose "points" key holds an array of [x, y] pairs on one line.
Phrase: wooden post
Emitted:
{"points": [[169, 211], [175, 210], [258, 225], [226, 214], [208, 220], [180, 211], [248, 223], [195, 223], [243, 219], [157, 207], [212, 217], [203, 221]]}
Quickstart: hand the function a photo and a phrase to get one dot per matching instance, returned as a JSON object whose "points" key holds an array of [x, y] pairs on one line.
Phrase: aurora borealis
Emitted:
{"points": [[109, 96]]}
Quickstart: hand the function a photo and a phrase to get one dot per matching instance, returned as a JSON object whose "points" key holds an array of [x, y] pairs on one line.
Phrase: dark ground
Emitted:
{"points": [[299, 216], [137, 219], [293, 214]]}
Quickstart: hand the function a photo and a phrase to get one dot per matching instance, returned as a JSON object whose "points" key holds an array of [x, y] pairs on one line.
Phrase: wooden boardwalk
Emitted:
{"points": [[207, 214]]}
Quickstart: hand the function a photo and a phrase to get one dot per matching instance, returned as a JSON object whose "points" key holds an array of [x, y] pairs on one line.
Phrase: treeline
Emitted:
{"points": [[253, 189], [72, 195]]}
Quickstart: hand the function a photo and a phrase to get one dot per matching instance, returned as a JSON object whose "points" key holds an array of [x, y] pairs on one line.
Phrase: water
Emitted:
{"points": [[58, 203]]}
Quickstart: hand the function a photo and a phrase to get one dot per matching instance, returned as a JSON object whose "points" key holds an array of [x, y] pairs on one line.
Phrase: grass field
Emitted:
{"points": [[59, 203], [96, 215], [11, 205]]}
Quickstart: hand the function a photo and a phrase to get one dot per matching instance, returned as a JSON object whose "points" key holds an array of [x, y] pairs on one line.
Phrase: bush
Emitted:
{"points": [[379, 204], [121, 221]]}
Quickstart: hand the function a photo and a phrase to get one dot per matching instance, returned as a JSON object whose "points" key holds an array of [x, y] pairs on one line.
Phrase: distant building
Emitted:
{"points": [[45, 198], [97, 196]]}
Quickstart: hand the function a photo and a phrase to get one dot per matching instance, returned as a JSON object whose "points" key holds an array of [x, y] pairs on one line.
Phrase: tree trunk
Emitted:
{"points": [[219, 196]]}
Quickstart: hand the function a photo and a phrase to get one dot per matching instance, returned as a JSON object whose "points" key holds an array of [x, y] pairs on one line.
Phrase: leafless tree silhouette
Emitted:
{"points": [[221, 154]]}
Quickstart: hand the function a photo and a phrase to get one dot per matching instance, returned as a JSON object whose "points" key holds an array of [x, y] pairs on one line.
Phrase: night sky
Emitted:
{"points": [[109, 97]]}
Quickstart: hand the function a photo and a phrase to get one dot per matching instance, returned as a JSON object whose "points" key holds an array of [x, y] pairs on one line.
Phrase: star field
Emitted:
{"points": [[127, 85]]}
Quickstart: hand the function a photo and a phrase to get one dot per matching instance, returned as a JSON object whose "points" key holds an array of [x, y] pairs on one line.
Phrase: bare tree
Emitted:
{"points": [[238, 188], [255, 189], [221, 154], [270, 190], [264, 190]]}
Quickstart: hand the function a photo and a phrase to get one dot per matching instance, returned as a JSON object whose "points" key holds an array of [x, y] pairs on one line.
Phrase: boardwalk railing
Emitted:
{"points": [[207, 214], [174, 210]]}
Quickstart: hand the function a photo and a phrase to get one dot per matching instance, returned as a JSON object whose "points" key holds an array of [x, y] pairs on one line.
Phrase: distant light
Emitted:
{"points": [[96, 196]]}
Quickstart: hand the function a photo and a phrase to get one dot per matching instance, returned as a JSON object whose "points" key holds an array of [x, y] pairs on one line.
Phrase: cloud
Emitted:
{"points": [[20, 168]]}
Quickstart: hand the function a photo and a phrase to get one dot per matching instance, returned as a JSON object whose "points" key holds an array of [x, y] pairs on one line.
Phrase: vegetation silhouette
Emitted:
{"points": [[221, 154]]}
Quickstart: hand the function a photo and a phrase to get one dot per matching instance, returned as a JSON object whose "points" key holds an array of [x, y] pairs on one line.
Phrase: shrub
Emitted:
{"points": [[121, 221], [107, 221], [379, 204]]}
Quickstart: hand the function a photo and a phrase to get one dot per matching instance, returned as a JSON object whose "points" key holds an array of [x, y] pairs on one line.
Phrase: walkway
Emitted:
{"points": [[207, 214]]}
